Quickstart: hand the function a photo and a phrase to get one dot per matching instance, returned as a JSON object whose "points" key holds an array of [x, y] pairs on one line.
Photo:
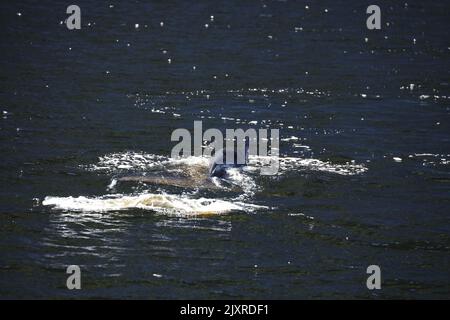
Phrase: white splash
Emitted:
{"points": [[140, 161], [181, 205], [431, 159], [112, 184], [292, 164], [245, 181]]}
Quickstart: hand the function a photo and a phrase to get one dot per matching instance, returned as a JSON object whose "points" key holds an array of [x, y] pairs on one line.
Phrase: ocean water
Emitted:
{"points": [[364, 173]]}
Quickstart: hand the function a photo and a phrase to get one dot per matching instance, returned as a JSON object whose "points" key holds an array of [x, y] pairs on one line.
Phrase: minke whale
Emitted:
{"points": [[196, 176]]}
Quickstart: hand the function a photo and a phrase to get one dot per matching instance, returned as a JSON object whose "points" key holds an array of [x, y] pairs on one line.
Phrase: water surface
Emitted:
{"points": [[364, 121]]}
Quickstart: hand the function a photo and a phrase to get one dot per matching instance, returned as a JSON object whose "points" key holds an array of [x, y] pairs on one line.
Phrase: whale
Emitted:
{"points": [[198, 177], [182, 182]]}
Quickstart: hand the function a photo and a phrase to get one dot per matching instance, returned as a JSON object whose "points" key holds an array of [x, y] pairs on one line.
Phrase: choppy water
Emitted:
{"points": [[364, 170]]}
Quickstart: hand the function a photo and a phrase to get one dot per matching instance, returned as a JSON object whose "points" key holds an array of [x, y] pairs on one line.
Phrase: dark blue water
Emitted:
{"points": [[363, 116]]}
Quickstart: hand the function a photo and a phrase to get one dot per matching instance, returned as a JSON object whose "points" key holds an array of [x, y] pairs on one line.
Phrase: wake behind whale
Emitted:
{"points": [[185, 186]]}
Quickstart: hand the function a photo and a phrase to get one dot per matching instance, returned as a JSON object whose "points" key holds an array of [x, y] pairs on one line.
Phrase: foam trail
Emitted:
{"points": [[164, 203]]}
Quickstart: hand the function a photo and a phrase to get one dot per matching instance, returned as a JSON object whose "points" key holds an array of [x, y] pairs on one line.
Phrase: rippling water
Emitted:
{"points": [[364, 169]]}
